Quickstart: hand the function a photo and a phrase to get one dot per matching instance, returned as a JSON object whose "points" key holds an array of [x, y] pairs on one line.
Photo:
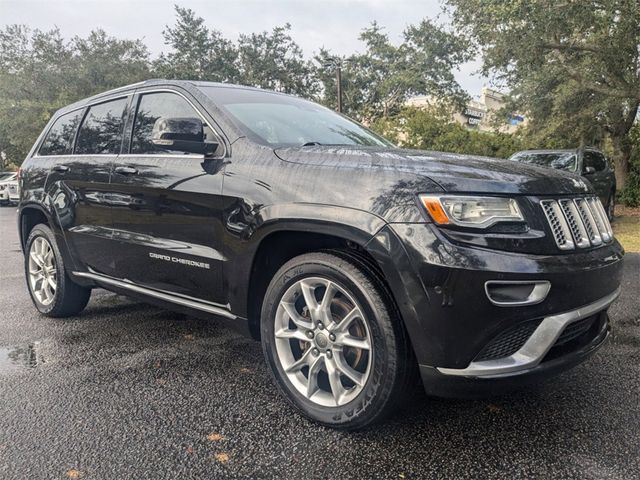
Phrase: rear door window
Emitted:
{"points": [[101, 129], [59, 140]]}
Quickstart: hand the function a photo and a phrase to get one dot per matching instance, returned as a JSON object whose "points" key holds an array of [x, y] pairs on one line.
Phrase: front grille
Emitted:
{"points": [[577, 222], [508, 342]]}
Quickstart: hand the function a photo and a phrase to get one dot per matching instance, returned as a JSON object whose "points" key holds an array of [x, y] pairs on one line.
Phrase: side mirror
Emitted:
{"points": [[182, 135], [589, 170]]}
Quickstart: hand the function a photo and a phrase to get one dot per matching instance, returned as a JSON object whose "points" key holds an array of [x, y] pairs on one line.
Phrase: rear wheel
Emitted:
{"points": [[52, 291], [333, 341]]}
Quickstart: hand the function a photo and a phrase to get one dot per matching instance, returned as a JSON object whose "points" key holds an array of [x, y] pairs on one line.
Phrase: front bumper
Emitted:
{"points": [[439, 384], [535, 348], [440, 288]]}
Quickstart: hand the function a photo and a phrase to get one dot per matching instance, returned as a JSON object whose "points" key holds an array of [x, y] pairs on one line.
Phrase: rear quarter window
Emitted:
{"points": [[59, 139]]}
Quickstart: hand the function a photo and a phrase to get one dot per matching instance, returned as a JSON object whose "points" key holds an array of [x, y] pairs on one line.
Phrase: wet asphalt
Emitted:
{"points": [[127, 390]]}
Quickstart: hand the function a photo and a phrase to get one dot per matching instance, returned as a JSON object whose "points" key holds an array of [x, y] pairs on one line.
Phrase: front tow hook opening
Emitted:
{"points": [[516, 293]]}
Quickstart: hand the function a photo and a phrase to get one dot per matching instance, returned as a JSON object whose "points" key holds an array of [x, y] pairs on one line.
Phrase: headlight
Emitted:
{"points": [[478, 212]]}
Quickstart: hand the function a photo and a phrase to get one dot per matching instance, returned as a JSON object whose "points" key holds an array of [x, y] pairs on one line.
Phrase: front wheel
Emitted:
{"points": [[336, 347], [52, 291], [611, 206]]}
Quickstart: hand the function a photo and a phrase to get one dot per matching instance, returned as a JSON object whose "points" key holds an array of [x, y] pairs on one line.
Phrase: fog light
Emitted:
{"points": [[506, 293]]}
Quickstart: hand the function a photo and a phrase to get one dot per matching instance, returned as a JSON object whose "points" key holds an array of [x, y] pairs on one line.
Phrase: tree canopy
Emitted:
{"points": [[573, 65], [378, 81]]}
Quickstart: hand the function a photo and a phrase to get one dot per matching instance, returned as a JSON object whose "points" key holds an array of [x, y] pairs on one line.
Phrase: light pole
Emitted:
{"points": [[339, 85], [337, 63]]}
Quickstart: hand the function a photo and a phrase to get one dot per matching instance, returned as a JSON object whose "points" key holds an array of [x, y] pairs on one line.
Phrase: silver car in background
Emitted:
{"points": [[9, 193]]}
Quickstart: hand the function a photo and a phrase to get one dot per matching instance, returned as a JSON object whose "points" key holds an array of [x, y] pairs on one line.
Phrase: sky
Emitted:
{"points": [[332, 24]]}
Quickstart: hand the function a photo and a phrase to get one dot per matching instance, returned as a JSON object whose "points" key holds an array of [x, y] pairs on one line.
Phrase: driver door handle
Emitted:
{"points": [[61, 168], [126, 170]]}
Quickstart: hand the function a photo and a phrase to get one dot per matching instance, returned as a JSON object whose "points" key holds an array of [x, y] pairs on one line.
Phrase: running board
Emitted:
{"points": [[167, 297]]}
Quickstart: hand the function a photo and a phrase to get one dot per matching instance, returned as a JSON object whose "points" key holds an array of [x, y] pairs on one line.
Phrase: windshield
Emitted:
{"points": [[281, 120], [560, 160], [5, 176]]}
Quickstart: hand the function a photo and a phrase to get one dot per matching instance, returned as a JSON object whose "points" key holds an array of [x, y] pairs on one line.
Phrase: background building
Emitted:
{"points": [[482, 114]]}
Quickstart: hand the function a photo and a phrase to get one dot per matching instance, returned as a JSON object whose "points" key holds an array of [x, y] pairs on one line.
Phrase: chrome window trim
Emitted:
{"points": [[154, 155], [143, 92], [538, 294], [161, 295], [85, 107], [535, 348]]}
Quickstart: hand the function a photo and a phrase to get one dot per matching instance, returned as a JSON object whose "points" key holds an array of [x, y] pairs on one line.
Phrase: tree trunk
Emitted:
{"points": [[621, 156]]}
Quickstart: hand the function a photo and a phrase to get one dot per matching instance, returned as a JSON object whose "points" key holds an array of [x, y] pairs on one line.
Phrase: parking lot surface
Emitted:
{"points": [[127, 390]]}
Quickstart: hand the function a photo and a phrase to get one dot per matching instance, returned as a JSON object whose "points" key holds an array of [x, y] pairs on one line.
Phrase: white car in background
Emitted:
{"points": [[8, 188]]}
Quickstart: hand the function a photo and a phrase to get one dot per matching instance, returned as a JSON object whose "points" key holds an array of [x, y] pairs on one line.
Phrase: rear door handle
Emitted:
{"points": [[61, 168], [126, 170]]}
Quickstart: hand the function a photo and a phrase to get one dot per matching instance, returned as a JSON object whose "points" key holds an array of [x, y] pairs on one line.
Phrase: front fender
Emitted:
{"points": [[244, 239]]}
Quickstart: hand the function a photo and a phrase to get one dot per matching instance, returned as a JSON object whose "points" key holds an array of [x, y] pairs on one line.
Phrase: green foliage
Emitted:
{"points": [[433, 129], [378, 81], [275, 61], [271, 60], [572, 65], [40, 72], [197, 52], [630, 194]]}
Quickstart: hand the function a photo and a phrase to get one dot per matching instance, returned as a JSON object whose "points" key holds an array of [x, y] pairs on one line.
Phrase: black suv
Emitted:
{"points": [[356, 263], [588, 162]]}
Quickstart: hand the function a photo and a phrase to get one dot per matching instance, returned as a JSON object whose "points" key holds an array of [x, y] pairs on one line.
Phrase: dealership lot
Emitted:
{"points": [[127, 390]]}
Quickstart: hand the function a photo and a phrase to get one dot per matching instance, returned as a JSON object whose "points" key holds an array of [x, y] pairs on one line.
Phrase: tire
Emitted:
{"points": [[611, 205], [366, 384], [53, 293]]}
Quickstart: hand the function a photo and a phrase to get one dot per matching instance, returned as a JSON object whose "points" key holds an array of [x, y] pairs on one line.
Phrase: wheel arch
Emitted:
{"points": [[303, 229], [28, 217]]}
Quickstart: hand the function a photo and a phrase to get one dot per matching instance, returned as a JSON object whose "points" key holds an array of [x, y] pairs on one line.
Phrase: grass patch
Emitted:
{"points": [[627, 231]]}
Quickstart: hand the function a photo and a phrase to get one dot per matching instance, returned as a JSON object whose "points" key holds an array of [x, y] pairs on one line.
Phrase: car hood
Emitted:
{"points": [[453, 172]]}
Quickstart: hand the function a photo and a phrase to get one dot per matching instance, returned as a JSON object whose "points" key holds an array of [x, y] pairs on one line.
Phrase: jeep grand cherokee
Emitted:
{"points": [[357, 264]]}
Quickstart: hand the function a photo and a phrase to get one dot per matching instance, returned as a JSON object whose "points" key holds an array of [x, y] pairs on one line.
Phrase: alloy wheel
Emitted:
{"points": [[323, 341], [42, 271]]}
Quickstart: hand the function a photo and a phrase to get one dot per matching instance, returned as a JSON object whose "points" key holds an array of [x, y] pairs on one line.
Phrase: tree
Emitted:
{"points": [[432, 128], [198, 53], [377, 82], [40, 72], [572, 65], [273, 60]]}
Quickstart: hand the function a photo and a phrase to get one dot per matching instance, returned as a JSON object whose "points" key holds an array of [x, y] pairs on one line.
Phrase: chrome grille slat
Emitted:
{"points": [[601, 220], [558, 224], [577, 222], [578, 228], [589, 221]]}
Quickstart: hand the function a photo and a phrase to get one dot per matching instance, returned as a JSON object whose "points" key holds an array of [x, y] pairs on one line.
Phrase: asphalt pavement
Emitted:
{"points": [[131, 391]]}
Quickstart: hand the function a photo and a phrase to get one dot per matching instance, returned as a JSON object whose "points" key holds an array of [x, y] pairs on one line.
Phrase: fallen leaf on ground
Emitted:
{"points": [[246, 370], [188, 336], [493, 408], [73, 473], [214, 437], [222, 457]]}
